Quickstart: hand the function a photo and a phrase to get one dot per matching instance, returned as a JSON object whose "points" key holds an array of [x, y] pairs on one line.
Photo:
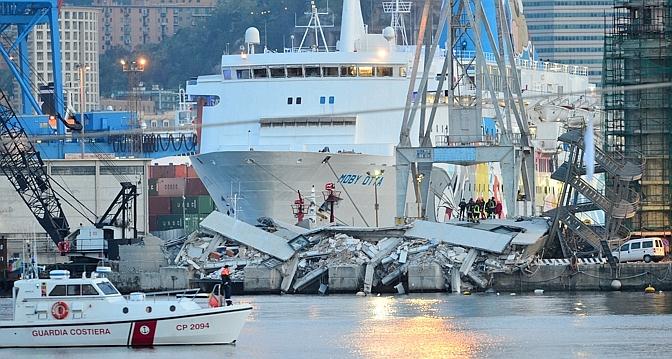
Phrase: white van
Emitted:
{"points": [[646, 249]]}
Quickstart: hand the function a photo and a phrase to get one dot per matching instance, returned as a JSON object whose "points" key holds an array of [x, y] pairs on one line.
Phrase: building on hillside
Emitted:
{"points": [[570, 31], [138, 22], [79, 56]]}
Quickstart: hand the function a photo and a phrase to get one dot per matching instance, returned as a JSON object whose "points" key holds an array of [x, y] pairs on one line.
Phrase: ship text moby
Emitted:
{"points": [[364, 180]]}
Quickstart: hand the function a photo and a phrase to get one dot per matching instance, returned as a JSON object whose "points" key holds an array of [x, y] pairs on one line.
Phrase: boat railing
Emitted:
{"points": [[467, 56], [182, 293]]}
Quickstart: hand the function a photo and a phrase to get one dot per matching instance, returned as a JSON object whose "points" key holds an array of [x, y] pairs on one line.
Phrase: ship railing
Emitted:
{"points": [[181, 293], [445, 140], [308, 49], [467, 56]]}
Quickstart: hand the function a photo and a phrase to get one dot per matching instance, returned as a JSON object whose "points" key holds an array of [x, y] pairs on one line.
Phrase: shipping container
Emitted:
{"points": [[159, 205], [153, 223], [182, 205], [152, 186], [205, 205], [170, 221], [195, 187], [180, 171], [192, 222], [191, 172], [162, 171], [170, 187]]}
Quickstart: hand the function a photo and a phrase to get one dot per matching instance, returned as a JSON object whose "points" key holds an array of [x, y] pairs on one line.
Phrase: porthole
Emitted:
{"points": [[172, 308], [125, 310], [148, 309]]}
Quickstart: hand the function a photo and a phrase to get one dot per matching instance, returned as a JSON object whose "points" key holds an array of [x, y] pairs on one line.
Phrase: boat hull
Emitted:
{"points": [[204, 327]]}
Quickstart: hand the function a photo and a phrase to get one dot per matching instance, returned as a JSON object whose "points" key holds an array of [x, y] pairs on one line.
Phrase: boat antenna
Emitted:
{"points": [[315, 26], [397, 9]]}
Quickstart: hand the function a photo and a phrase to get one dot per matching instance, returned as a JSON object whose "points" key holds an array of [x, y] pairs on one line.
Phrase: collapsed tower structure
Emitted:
{"points": [[638, 123]]}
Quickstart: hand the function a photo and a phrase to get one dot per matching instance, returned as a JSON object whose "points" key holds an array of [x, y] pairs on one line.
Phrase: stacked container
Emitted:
{"points": [[177, 199]]}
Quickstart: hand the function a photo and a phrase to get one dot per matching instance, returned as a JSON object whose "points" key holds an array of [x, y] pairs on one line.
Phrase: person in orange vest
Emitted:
{"points": [[226, 284]]}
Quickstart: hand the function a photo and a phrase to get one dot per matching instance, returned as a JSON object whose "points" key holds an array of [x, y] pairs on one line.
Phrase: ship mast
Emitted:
{"points": [[397, 9], [315, 26]]}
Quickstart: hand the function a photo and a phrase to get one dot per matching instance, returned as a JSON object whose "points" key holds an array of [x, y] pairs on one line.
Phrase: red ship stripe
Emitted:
{"points": [[143, 333]]}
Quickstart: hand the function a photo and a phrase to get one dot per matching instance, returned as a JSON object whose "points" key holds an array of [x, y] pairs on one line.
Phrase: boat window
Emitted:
{"points": [[384, 71], [348, 71], [57, 291], [293, 71], [290, 100], [74, 289], [125, 310], [260, 73], [227, 73], [277, 72], [243, 74], [172, 308], [313, 71], [298, 100], [365, 71], [331, 71], [88, 289], [148, 309], [107, 288], [402, 71]]}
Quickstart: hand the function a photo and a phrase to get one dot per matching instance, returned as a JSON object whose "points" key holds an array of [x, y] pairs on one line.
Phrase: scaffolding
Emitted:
{"points": [[638, 122]]}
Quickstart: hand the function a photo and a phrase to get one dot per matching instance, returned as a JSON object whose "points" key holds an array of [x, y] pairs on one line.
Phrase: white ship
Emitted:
{"points": [[87, 312], [278, 124]]}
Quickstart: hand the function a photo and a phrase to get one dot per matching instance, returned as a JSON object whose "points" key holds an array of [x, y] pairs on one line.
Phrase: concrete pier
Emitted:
{"points": [[261, 279], [426, 278], [346, 278]]}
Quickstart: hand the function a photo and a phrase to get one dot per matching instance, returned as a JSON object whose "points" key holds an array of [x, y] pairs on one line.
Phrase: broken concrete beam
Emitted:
{"points": [[290, 272], [345, 277], [426, 277], [394, 275], [310, 277], [460, 236], [212, 245], [248, 235], [403, 255], [230, 262], [468, 261], [477, 279], [455, 281], [388, 259], [400, 288], [260, 279], [390, 245], [369, 250], [494, 264], [368, 278], [423, 248]]}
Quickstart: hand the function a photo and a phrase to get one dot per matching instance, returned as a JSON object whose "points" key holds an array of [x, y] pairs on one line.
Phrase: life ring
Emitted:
{"points": [[60, 310]]}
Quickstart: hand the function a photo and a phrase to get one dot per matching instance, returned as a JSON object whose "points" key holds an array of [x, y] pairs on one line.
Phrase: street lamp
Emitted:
{"points": [[133, 69], [375, 174], [81, 70]]}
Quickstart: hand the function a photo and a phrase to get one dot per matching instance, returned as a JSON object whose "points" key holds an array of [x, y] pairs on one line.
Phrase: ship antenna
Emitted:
{"points": [[315, 26], [397, 9]]}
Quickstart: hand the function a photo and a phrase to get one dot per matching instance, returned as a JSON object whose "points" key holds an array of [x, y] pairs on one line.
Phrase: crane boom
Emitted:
{"points": [[23, 166]]}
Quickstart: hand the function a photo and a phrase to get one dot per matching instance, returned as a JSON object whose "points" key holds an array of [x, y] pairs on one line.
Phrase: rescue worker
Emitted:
{"points": [[490, 207], [477, 213], [463, 208], [470, 209], [226, 284]]}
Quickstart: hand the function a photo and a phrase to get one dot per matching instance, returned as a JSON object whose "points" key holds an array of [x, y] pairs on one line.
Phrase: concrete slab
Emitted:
{"points": [[308, 278], [345, 277], [261, 279], [368, 278], [248, 235], [425, 277], [290, 272], [460, 236]]}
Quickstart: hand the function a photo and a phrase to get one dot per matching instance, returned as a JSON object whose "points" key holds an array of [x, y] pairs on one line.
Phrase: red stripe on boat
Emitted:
{"points": [[143, 333]]}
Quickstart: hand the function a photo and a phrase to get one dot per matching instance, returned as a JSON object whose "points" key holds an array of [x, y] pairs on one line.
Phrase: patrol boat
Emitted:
{"points": [[89, 311]]}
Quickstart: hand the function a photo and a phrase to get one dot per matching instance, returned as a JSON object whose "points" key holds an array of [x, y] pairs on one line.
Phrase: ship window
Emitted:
{"points": [[331, 100], [331, 71], [312, 71], [383, 71], [227, 73], [107, 288], [260, 73], [74, 289], [348, 71], [295, 71], [148, 309], [402, 71], [243, 74], [277, 72], [88, 289], [58, 291], [290, 100], [365, 71], [172, 308], [323, 100], [125, 310], [298, 100]]}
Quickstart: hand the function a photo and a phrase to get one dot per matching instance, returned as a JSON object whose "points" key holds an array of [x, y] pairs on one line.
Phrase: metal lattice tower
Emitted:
{"points": [[398, 9], [17, 19], [638, 54]]}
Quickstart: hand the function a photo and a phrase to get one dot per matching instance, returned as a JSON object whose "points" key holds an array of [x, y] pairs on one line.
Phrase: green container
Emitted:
{"points": [[191, 222], [169, 221], [152, 187], [205, 205], [186, 205]]}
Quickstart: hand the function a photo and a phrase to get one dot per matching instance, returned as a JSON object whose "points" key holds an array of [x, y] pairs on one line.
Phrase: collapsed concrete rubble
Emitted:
{"points": [[423, 256]]}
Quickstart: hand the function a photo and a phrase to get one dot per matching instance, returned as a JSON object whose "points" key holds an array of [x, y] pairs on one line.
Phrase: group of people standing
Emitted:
{"points": [[474, 211]]}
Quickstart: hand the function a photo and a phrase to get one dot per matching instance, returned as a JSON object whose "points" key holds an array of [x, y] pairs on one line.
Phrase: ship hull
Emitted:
{"points": [[206, 326]]}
